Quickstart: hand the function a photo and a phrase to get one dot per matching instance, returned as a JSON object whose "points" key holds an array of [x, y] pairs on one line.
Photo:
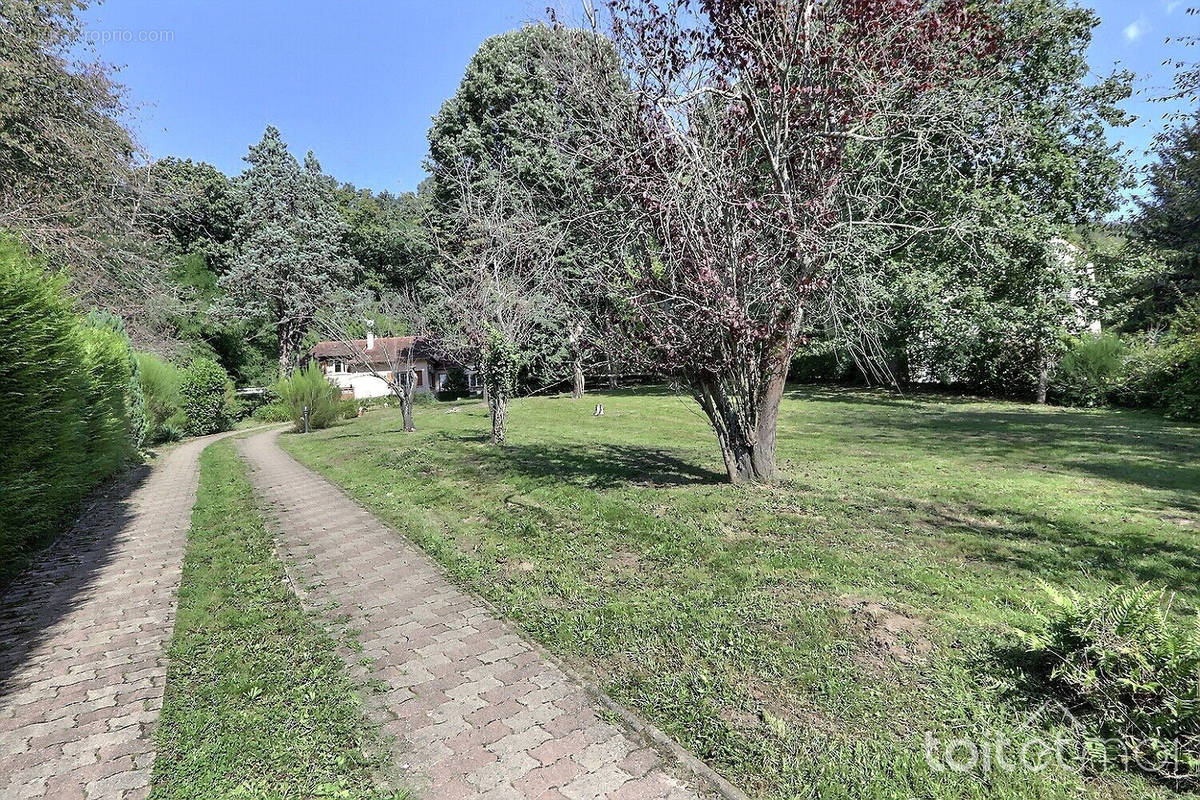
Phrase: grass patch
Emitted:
{"points": [[258, 703], [800, 638]]}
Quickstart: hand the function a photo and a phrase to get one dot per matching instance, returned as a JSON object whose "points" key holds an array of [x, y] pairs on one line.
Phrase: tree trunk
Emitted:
{"points": [[288, 335], [1043, 382], [406, 411], [404, 388], [577, 387], [498, 408], [612, 369], [285, 350], [745, 420]]}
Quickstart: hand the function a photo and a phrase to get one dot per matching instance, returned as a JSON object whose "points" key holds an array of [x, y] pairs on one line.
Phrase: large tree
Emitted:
{"points": [[289, 244], [74, 186], [1170, 220], [494, 282], [199, 210], [991, 309], [507, 122], [763, 144], [386, 235]]}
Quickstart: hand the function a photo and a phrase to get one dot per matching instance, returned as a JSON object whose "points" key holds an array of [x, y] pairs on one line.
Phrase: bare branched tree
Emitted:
{"points": [[494, 281], [74, 184]]}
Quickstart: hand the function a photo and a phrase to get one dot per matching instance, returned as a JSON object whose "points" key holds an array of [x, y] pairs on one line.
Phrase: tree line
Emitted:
{"points": [[725, 194]]}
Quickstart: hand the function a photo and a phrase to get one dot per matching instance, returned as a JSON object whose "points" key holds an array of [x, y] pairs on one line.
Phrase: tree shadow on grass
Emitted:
{"points": [[1065, 549], [1124, 446], [58, 576], [602, 466]]}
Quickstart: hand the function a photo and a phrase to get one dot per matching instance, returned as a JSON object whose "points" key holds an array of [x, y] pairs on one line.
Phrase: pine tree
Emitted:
{"points": [[289, 242]]}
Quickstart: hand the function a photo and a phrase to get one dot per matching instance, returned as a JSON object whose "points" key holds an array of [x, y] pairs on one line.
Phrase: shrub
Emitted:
{"points": [[456, 386], [272, 412], [160, 382], [309, 387], [69, 409], [115, 412], [1163, 371], [1089, 370], [204, 393], [1133, 674], [136, 412]]}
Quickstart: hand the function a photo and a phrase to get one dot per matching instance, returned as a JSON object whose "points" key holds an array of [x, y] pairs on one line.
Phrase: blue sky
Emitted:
{"points": [[357, 82]]}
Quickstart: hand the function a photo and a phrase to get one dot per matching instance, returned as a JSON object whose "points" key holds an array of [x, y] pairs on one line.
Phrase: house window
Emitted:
{"points": [[339, 366], [419, 372]]}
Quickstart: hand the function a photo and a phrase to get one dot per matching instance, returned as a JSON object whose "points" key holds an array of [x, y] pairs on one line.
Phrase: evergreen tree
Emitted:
{"points": [[289, 244]]}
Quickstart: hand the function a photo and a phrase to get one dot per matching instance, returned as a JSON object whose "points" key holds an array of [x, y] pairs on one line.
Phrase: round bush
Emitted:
{"points": [[204, 393]]}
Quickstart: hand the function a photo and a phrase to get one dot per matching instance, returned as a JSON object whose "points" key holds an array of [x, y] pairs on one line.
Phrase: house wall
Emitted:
{"points": [[364, 385]]}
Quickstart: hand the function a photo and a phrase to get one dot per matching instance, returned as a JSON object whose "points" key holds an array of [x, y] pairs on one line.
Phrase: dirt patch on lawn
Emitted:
{"points": [[779, 713], [890, 635]]}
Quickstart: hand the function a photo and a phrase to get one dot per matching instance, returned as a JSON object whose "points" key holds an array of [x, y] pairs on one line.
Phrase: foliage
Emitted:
{"points": [[989, 306], [247, 663], [308, 387], [205, 395], [272, 412], [456, 386], [1089, 370], [507, 124], [386, 236], [161, 381], [1169, 215], [116, 399], [68, 164], [1163, 371], [710, 610], [1120, 660], [289, 244], [770, 191], [70, 404], [501, 363], [202, 209]]}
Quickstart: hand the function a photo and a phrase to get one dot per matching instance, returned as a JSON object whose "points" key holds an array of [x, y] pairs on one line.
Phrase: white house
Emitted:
{"points": [[360, 367]]}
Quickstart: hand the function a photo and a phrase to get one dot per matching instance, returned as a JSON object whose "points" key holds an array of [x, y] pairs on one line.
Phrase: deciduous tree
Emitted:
{"points": [[762, 143], [401, 320], [495, 279]]}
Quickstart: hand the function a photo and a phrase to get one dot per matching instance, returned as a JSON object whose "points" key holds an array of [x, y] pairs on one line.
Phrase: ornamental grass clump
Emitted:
{"points": [[309, 387]]}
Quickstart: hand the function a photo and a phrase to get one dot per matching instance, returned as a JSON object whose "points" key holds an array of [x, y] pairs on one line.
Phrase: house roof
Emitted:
{"points": [[387, 348]]}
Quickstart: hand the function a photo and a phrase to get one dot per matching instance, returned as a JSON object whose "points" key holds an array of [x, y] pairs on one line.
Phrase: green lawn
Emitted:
{"points": [[800, 638], [258, 705]]}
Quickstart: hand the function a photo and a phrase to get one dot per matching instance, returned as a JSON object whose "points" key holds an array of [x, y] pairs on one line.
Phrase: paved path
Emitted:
{"points": [[83, 639], [476, 710]]}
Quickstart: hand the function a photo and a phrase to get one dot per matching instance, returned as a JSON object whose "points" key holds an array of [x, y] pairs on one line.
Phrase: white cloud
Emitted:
{"points": [[1136, 29], [1171, 5]]}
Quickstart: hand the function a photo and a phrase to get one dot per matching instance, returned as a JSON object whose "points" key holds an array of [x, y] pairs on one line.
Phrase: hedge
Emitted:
{"points": [[71, 410]]}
